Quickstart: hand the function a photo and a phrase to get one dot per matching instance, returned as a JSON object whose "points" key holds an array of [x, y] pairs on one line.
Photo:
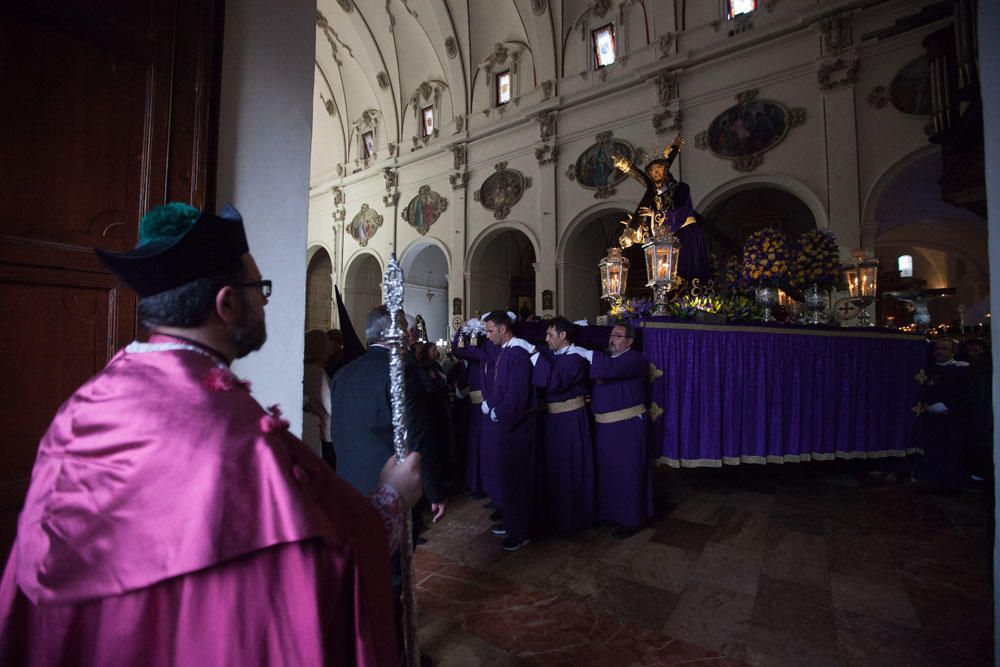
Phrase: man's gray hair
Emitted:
{"points": [[378, 321]]}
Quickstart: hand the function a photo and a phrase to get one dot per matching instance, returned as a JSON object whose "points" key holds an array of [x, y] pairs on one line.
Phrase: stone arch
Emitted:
{"points": [[425, 264], [581, 246], [505, 277], [362, 288], [790, 185], [738, 212], [869, 223], [319, 288]]}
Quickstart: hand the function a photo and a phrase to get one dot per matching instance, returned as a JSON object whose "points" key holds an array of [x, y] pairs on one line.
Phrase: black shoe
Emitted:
{"points": [[623, 533], [498, 529], [421, 540], [497, 515], [477, 495], [514, 543], [489, 506]]}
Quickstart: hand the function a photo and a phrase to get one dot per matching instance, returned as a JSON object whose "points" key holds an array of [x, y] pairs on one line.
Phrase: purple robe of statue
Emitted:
{"points": [[170, 520], [568, 452], [510, 427], [624, 478]]}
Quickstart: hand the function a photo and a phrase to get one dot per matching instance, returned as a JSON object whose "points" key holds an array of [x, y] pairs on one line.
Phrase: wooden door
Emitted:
{"points": [[108, 107]]}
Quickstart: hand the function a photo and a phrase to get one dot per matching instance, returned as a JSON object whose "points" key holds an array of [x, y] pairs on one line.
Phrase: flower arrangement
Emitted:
{"points": [[473, 327], [731, 278], [739, 308], [688, 306], [631, 310], [816, 261], [765, 256]]}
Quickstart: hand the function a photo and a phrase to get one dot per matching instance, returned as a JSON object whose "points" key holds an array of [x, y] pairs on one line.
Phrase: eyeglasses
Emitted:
{"points": [[263, 285]]}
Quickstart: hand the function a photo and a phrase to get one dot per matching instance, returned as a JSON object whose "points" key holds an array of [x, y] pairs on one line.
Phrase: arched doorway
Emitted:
{"points": [[587, 243], [948, 246], [362, 290], [319, 291], [502, 273], [425, 269], [736, 217]]}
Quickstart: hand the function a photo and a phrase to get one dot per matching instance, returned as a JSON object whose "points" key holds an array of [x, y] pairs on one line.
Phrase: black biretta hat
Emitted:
{"points": [[178, 244]]}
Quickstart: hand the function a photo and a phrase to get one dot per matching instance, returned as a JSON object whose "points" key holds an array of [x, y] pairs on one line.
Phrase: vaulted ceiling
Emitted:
{"points": [[375, 55]]}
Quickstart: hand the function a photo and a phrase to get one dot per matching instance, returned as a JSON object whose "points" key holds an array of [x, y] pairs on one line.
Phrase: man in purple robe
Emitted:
{"points": [[509, 424], [624, 479], [568, 454], [474, 472], [170, 519]]}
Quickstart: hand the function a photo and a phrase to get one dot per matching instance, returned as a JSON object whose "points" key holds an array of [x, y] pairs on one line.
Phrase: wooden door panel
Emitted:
{"points": [[53, 319], [74, 167]]}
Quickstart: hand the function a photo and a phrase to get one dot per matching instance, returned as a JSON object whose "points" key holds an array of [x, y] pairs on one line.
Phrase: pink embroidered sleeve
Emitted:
{"points": [[387, 503]]}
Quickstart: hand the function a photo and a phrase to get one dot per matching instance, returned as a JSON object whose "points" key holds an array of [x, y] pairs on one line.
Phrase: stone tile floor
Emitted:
{"points": [[768, 565]]}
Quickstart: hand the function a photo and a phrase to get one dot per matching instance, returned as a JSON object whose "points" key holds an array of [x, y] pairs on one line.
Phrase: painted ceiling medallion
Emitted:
{"points": [[424, 209], [502, 190], [364, 225]]}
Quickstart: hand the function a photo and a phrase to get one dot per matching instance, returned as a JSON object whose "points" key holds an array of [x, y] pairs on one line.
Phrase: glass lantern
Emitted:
{"points": [[614, 274], [661, 268], [861, 274]]}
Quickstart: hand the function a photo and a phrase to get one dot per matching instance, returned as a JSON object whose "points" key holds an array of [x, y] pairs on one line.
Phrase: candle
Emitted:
{"points": [[661, 270], [615, 283]]}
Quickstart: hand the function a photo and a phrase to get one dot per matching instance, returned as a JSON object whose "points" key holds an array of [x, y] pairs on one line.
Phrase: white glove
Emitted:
{"points": [[581, 323], [534, 358], [582, 352], [938, 408], [523, 344], [485, 407], [493, 416]]}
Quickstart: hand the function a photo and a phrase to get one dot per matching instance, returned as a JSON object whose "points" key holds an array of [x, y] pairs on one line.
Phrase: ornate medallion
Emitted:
{"points": [[364, 225], [744, 132], [502, 190], [424, 209], [594, 168]]}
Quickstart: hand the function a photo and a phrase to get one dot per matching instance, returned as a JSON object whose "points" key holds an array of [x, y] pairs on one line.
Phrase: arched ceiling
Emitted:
{"points": [[375, 54]]}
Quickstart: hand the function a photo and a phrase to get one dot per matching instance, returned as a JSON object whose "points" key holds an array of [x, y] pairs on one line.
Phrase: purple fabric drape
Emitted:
{"points": [[755, 395], [768, 394]]}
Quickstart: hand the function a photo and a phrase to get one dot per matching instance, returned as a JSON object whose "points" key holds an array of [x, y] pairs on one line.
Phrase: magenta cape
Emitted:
{"points": [[171, 520]]}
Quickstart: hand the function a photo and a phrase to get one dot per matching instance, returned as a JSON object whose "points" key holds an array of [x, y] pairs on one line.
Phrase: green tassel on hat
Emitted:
{"points": [[166, 222]]}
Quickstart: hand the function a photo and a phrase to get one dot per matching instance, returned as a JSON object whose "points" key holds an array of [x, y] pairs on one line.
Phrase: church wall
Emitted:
{"points": [[832, 161], [263, 168]]}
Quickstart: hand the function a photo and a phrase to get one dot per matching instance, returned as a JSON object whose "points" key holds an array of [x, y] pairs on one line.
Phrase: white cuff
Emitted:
{"points": [[484, 406], [938, 408], [493, 416]]}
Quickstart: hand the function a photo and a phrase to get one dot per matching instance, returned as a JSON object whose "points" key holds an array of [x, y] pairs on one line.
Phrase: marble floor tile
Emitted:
{"points": [[716, 618], [731, 568], [886, 600], [681, 534], [657, 565], [451, 647], [868, 641], [746, 530], [750, 501], [857, 551], [798, 612], [700, 507], [795, 556]]}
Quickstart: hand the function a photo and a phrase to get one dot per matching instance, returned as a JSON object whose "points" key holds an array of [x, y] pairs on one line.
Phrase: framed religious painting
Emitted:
{"points": [[503, 88], [910, 90], [745, 131]]}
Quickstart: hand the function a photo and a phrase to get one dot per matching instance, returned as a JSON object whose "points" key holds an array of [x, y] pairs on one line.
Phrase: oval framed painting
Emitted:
{"points": [[594, 168], [748, 128]]}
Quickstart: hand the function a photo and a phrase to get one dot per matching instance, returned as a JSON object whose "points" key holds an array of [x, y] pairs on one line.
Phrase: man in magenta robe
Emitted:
{"points": [[624, 480], [568, 453], [509, 425], [173, 520]]}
